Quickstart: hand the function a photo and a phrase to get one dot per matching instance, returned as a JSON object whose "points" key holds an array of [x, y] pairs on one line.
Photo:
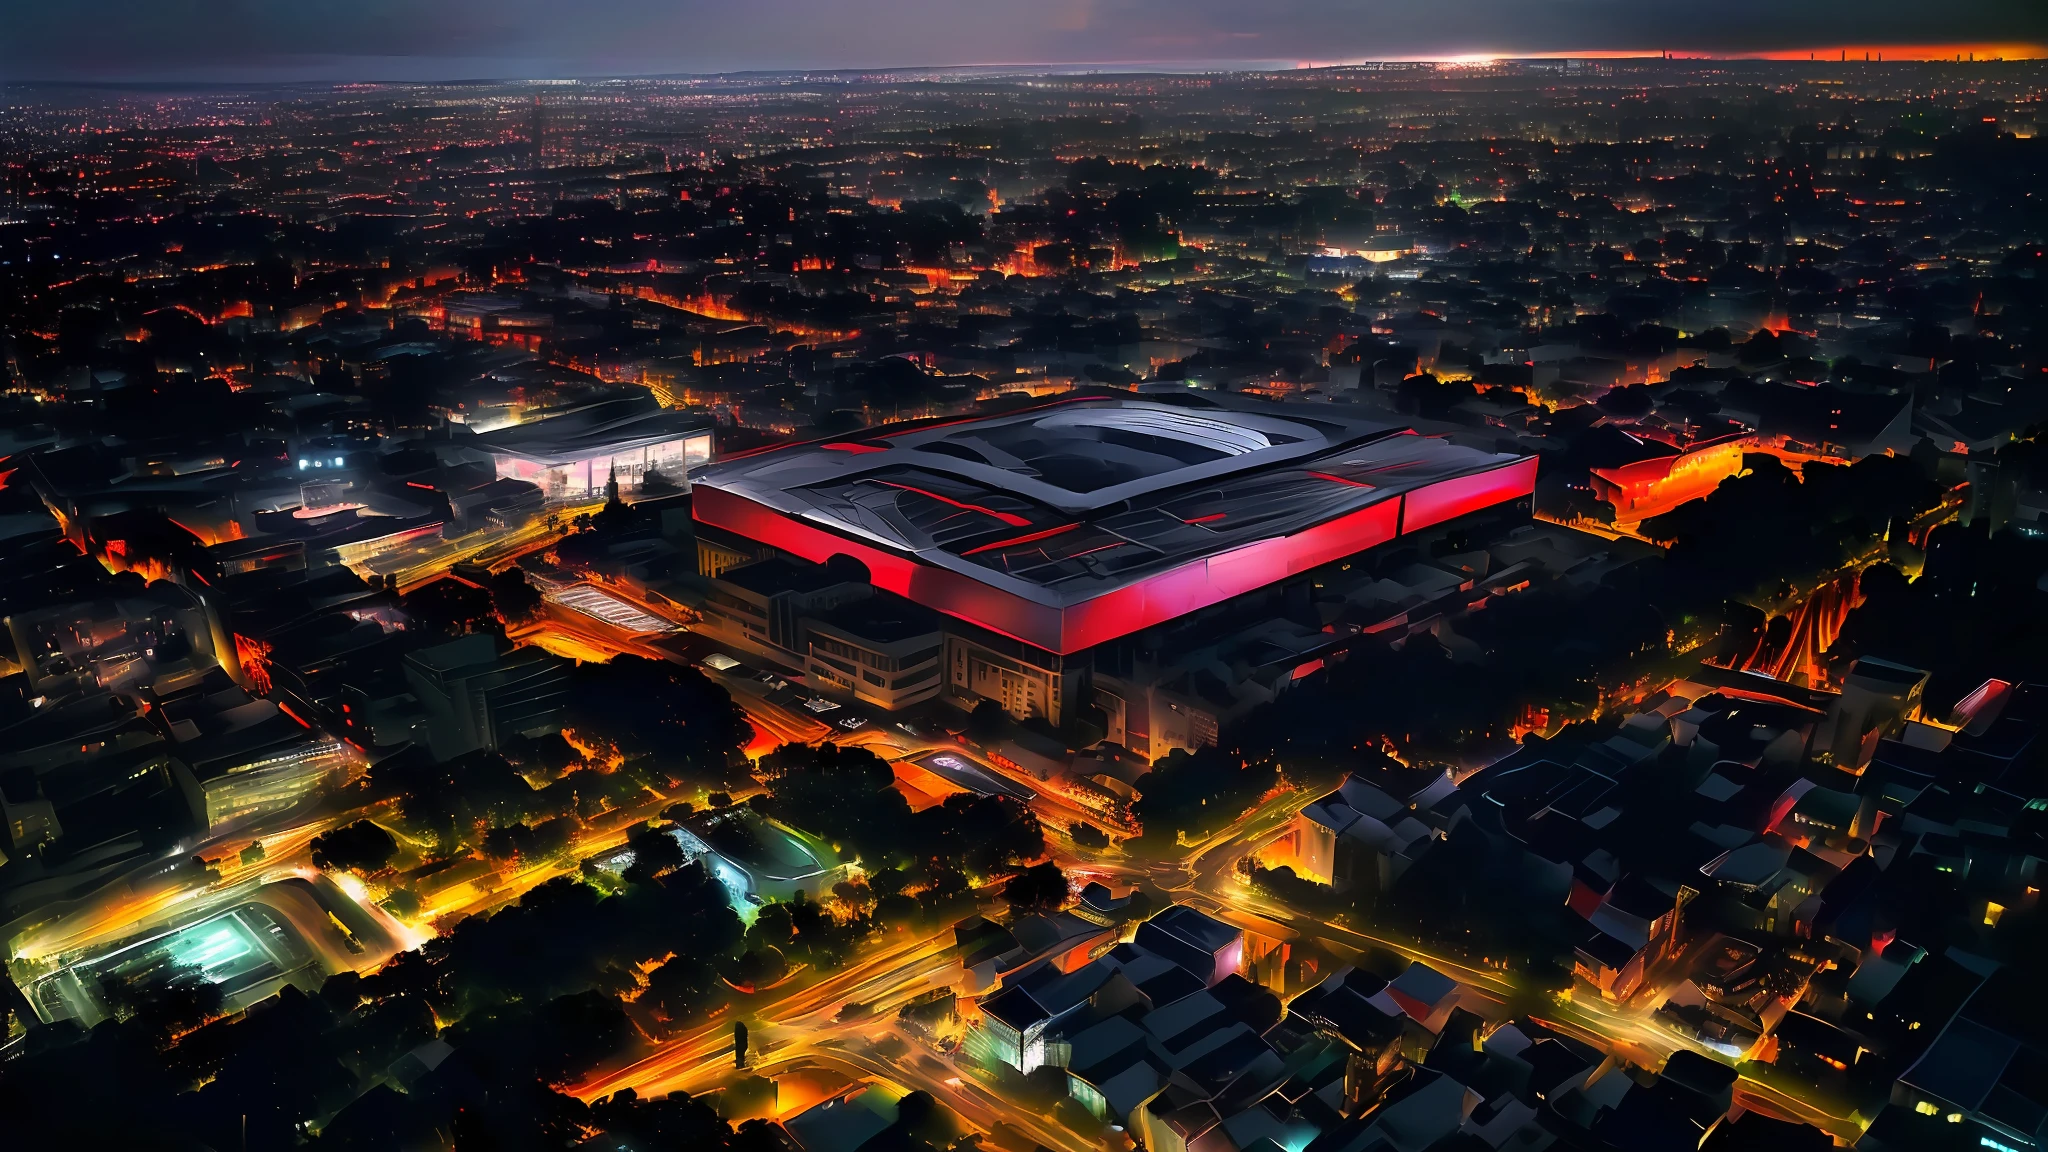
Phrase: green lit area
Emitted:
{"points": [[236, 949], [212, 948]]}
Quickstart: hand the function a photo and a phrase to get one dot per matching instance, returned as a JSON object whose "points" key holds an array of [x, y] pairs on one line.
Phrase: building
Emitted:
{"points": [[1047, 532], [1983, 1071], [1665, 477], [1632, 927], [1127, 1022], [757, 859], [881, 650], [1877, 699], [250, 758], [476, 696], [571, 453], [761, 608], [1200, 943], [162, 640], [1180, 693], [718, 551], [1368, 831]]}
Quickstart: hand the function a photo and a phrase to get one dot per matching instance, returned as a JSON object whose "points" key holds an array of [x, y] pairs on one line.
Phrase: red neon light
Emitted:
{"points": [[1031, 538], [849, 446], [1010, 518], [294, 715], [1120, 611], [940, 589], [1433, 504], [417, 484], [1345, 480], [1209, 519], [1214, 579], [1098, 548]]}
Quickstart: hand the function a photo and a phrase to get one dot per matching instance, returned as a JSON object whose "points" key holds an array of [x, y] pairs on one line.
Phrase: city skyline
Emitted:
{"points": [[384, 40]]}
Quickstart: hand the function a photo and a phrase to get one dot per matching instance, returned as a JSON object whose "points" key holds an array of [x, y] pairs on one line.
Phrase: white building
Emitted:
{"points": [[571, 453]]}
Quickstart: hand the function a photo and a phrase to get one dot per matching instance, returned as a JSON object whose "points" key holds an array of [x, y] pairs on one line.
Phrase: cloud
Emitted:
{"points": [[429, 39]]}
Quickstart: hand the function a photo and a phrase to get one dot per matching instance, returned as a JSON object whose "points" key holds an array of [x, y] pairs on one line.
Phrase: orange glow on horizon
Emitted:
{"points": [[1979, 53]]}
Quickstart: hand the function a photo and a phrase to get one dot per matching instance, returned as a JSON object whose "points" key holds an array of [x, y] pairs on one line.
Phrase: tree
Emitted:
{"points": [[845, 795], [554, 1042], [683, 725], [986, 835], [854, 895], [987, 722], [1088, 835], [656, 853], [163, 1004], [774, 927], [443, 800], [515, 600], [359, 847], [1039, 888], [760, 967], [682, 990], [449, 607], [1198, 792], [530, 842]]}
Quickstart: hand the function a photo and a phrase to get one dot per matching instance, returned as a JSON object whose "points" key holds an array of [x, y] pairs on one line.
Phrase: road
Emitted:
{"points": [[1210, 882], [888, 973], [489, 547], [963, 1091], [1631, 1031], [968, 1098]]}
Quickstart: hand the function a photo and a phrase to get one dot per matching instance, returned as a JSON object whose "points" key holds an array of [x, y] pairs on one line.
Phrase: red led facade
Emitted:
{"points": [[1449, 499], [1143, 603], [1214, 579]]}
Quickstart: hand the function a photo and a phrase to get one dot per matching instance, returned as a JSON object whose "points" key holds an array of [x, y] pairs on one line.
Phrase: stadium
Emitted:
{"points": [[1069, 524]]}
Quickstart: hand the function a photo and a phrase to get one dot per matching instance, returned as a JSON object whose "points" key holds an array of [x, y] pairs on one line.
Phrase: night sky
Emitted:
{"points": [[455, 39]]}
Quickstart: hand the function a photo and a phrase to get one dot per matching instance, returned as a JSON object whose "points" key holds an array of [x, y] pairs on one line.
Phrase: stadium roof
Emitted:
{"points": [[1074, 522]]}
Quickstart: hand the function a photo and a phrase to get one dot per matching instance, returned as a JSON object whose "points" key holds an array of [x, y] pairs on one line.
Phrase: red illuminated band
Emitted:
{"points": [[1010, 518], [1432, 504], [1030, 538], [1155, 599]]}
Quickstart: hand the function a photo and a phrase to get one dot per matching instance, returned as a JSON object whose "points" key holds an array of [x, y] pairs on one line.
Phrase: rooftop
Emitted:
{"points": [[570, 433], [1075, 521]]}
